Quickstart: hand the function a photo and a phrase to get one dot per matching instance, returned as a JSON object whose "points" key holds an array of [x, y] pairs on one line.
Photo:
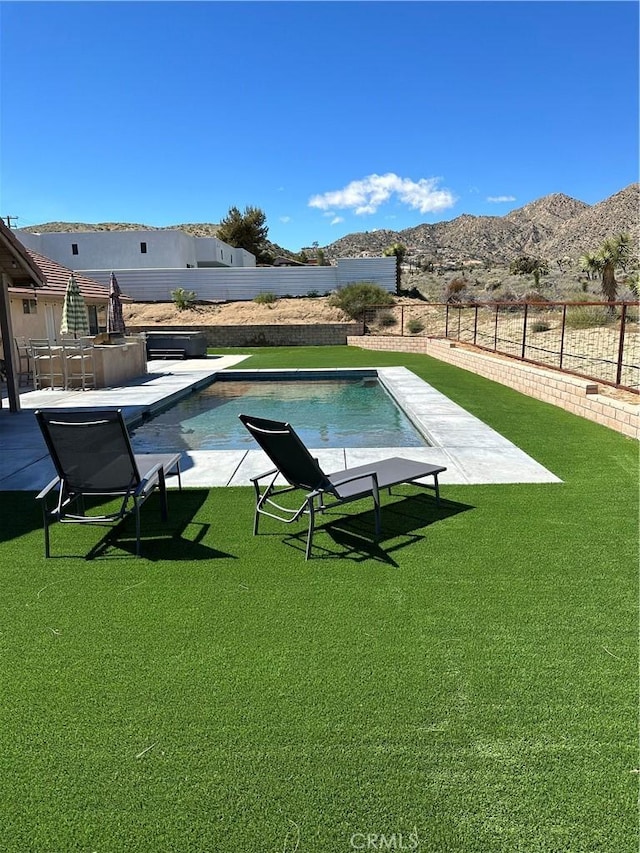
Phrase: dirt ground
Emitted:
{"points": [[302, 310], [298, 311]]}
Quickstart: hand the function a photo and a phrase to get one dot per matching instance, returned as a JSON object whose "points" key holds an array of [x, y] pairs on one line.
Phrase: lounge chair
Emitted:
{"points": [[301, 471], [92, 455]]}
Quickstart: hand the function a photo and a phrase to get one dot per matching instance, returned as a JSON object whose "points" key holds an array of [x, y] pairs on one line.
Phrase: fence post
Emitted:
{"points": [[446, 321], [495, 331], [623, 317], [564, 323], [475, 325], [524, 329], [402, 321]]}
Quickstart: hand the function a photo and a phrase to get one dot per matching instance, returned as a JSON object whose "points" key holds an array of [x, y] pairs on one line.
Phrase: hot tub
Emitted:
{"points": [[169, 344]]}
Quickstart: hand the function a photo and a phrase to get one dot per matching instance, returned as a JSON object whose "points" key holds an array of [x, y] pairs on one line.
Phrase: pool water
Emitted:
{"points": [[324, 413]]}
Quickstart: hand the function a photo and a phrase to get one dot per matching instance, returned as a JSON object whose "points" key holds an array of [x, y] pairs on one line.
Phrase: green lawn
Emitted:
{"points": [[469, 685]]}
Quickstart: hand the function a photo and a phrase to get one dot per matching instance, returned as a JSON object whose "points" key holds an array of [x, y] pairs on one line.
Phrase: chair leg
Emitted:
{"points": [[137, 528], [311, 510], [45, 518], [162, 487], [256, 515]]}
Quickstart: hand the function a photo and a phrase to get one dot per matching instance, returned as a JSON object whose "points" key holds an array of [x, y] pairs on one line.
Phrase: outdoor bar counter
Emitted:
{"points": [[116, 363], [102, 363]]}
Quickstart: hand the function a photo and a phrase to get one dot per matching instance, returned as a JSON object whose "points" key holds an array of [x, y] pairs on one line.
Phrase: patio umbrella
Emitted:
{"points": [[75, 319], [115, 320]]}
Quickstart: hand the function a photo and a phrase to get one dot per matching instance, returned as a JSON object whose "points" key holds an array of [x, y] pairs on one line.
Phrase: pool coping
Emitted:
{"points": [[472, 452]]}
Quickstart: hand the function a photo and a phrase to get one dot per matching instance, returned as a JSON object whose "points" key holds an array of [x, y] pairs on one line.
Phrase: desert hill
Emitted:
{"points": [[552, 227]]}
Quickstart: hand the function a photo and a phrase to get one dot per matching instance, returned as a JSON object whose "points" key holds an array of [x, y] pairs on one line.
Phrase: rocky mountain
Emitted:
{"points": [[554, 226]]}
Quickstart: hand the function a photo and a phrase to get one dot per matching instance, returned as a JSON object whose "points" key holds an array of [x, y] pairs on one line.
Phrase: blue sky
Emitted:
{"points": [[331, 117]]}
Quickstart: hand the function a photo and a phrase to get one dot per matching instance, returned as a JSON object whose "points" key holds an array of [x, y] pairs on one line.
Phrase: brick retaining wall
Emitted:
{"points": [[561, 389], [285, 335]]}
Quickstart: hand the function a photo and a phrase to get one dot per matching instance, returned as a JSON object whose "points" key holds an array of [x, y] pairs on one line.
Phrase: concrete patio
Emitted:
{"points": [[471, 451]]}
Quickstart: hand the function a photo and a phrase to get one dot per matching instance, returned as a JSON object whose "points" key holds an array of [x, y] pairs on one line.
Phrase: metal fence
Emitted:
{"points": [[595, 340]]}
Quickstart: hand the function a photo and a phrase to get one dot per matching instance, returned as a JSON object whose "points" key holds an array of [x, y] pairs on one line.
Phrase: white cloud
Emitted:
{"points": [[337, 220], [366, 195], [496, 199], [285, 219]]}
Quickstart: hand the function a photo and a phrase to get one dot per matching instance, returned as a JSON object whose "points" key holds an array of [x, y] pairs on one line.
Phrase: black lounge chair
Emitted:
{"points": [[92, 455], [301, 471]]}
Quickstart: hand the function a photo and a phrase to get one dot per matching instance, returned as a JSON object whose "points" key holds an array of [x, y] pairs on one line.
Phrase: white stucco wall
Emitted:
{"points": [[109, 250]]}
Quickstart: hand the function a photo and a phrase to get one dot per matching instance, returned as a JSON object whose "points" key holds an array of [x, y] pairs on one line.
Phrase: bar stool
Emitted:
{"points": [[48, 368], [24, 361], [77, 356]]}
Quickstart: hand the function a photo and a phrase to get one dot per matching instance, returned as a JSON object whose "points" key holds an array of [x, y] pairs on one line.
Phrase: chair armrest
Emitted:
{"points": [[49, 487], [372, 474], [369, 475], [262, 476], [149, 479]]}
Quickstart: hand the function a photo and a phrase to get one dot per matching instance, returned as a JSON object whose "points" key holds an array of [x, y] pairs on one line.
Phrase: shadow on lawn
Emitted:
{"points": [[354, 535], [180, 538], [20, 515]]}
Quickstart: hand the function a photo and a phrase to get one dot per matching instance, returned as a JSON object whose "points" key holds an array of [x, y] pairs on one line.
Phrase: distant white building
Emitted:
{"points": [[151, 265], [111, 250]]}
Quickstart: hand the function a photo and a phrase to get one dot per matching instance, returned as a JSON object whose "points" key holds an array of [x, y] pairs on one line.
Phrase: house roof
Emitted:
{"points": [[16, 260], [56, 279]]}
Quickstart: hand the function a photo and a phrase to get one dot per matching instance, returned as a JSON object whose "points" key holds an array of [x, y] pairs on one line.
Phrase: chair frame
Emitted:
{"points": [[24, 358], [42, 351], [324, 491], [78, 351], [148, 473]]}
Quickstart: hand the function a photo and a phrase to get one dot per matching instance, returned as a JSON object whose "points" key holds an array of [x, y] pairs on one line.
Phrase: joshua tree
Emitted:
{"points": [[398, 251], [590, 264], [614, 252]]}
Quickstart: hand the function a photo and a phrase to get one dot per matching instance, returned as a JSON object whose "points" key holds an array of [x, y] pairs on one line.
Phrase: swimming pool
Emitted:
{"points": [[345, 410]]}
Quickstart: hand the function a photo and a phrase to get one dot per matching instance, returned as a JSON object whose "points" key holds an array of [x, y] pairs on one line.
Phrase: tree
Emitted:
{"points": [[528, 265], [590, 263], [246, 231], [399, 251], [614, 252]]}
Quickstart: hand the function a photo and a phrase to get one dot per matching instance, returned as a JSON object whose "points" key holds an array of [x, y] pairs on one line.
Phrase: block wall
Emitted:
{"points": [[286, 335], [572, 393]]}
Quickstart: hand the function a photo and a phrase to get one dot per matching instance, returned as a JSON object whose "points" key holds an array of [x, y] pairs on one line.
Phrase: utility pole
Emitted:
{"points": [[9, 218]]}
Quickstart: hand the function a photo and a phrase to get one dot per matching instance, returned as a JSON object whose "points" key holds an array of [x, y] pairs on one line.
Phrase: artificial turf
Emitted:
{"points": [[468, 684]]}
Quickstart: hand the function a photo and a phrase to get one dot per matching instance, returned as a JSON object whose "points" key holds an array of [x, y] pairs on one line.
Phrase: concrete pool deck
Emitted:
{"points": [[472, 452]]}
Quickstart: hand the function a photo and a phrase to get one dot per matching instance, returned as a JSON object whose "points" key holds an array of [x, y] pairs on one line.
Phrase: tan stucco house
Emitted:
{"points": [[31, 300]]}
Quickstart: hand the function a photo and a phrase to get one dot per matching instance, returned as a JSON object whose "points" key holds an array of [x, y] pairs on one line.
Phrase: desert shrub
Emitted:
{"points": [[540, 326], [313, 294], [533, 296], [183, 299], [387, 319], [586, 317], [355, 297], [455, 291], [415, 326], [265, 298]]}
